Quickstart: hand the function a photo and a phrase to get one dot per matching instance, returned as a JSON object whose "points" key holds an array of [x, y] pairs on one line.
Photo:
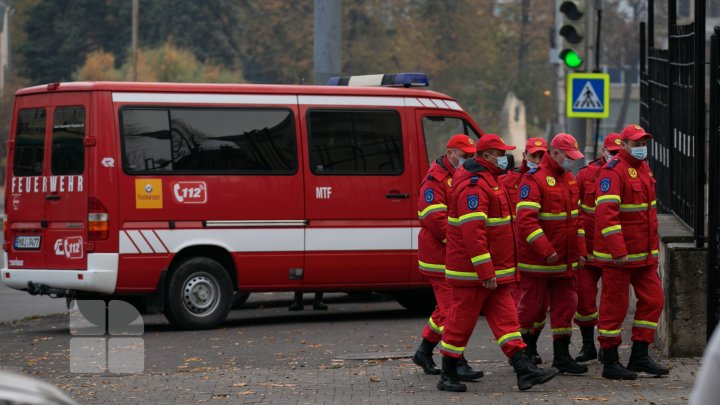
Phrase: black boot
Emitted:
{"points": [[467, 373], [319, 304], [561, 357], [449, 379], [587, 351], [423, 357], [640, 361], [530, 340], [297, 304], [527, 372], [612, 369]]}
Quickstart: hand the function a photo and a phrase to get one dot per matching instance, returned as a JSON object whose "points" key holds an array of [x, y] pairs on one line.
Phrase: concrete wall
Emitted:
{"points": [[683, 267]]}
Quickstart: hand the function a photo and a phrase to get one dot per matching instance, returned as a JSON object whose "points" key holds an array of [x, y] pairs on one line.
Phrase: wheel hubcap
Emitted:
{"points": [[200, 294]]}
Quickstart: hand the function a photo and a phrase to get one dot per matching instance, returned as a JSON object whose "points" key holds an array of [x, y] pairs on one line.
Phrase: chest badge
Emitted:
{"points": [[632, 172], [550, 181]]}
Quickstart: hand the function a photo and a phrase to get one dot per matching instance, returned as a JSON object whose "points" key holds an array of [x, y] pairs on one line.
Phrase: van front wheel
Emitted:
{"points": [[199, 294]]}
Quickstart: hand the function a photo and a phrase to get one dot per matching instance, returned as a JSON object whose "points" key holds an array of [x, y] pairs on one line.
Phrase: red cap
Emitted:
{"points": [[492, 141], [633, 132], [612, 142], [535, 144], [567, 144], [462, 142]]}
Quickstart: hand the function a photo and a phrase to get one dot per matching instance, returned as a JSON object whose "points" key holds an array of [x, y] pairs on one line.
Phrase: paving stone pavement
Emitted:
{"points": [[376, 382]]}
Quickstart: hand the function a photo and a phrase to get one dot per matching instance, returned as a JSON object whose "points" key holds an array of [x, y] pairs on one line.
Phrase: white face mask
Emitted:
{"points": [[531, 165]]}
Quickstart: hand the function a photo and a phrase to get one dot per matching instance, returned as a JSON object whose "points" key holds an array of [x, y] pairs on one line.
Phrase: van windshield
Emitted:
{"points": [[438, 129]]}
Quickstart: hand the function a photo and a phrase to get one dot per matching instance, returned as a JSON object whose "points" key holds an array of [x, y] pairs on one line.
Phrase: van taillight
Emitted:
{"points": [[97, 220]]}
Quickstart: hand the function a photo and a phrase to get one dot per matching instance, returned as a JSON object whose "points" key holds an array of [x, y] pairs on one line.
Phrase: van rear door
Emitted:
{"points": [[66, 193]]}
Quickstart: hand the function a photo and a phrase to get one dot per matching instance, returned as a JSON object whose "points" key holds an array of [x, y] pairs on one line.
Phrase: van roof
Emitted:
{"points": [[229, 88]]}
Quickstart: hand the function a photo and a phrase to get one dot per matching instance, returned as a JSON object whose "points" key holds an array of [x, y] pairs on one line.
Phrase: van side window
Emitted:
{"points": [[68, 141], [29, 143], [438, 129], [355, 142], [193, 140]]}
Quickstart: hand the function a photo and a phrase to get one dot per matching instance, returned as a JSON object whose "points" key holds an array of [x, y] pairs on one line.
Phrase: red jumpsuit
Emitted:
{"points": [[435, 191], [511, 181], [480, 245], [588, 276], [547, 217], [626, 225]]}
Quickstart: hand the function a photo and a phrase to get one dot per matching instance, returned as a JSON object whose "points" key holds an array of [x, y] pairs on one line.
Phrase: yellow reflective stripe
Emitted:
{"points": [[645, 324], [461, 275], [508, 337], [607, 199], [540, 268], [654, 252], [534, 235], [653, 203], [590, 317], [528, 204], [504, 272], [603, 257], [581, 232], [633, 207], [561, 331], [435, 327], [480, 259], [498, 221], [539, 324], [608, 332], [473, 216], [588, 208], [549, 216], [574, 213], [611, 230], [451, 348], [439, 268], [432, 208]]}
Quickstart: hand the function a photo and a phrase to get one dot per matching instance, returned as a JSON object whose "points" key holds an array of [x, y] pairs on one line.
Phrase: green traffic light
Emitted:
{"points": [[571, 58]]}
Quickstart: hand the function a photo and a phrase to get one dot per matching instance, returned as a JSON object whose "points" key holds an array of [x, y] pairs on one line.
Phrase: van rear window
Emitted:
{"points": [[68, 141], [29, 143], [355, 142], [193, 140], [438, 129]]}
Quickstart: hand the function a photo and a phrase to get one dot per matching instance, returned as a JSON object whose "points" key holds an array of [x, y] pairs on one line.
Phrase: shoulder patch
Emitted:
{"points": [[613, 162], [524, 191], [472, 201], [429, 195], [605, 184]]}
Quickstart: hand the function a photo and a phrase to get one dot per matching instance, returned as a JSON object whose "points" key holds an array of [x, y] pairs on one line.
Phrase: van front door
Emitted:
{"points": [[358, 197]]}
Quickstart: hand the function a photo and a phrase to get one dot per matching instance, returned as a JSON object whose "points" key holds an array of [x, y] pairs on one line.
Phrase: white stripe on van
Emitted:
{"points": [[453, 105], [154, 242], [427, 103], [277, 240], [191, 98], [352, 100]]}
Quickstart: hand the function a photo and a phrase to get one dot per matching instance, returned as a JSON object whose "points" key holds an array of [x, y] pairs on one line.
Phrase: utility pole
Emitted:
{"points": [[134, 46], [5, 12], [327, 36]]}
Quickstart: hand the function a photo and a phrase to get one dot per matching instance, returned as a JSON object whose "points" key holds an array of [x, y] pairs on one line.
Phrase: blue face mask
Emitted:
{"points": [[639, 152], [502, 162], [568, 164], [531, 165]]}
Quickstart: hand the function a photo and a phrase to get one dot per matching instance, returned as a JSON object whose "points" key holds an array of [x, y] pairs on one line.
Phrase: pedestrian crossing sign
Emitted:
{"points": [[588, 95]]}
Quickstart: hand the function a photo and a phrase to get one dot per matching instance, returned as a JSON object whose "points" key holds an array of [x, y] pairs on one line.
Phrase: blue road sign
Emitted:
{"points": [[588, 95]]}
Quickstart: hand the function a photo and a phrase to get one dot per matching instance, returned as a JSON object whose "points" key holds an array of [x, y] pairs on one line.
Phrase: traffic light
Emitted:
{"points": [[572, 32]]}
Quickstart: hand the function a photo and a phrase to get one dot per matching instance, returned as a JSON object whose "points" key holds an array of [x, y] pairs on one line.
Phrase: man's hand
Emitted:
{"points": [[490, 283], [581, 262], [621, 261], [553, 258]]}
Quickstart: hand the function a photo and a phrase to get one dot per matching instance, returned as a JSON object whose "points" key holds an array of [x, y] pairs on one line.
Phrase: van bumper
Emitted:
{"points": [[100, 276]]}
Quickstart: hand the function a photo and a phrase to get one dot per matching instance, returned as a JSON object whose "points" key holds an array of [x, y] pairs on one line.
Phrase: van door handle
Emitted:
{"points": [[397, 195], [52, 197]]}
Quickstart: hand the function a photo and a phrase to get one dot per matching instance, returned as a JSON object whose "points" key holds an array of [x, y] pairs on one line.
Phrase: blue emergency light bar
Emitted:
{"points": [[413, 79]]}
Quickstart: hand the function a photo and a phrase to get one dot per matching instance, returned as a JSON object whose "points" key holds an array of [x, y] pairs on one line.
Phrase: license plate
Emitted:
{"points": [[27, 242]]}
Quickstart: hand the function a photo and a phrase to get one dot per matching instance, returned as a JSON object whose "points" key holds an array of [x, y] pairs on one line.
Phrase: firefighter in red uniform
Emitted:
{"points": [[553, 248], [480, 262], [586, 315], [626, 244], [535, 149], [435, 192]]}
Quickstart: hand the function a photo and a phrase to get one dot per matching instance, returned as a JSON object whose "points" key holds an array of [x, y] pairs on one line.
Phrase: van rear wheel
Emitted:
{"points": [[199, 294], [421, 302]]}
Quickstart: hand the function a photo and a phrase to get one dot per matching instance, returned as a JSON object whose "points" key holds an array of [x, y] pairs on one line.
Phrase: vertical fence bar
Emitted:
{"points": [[699, 161]]}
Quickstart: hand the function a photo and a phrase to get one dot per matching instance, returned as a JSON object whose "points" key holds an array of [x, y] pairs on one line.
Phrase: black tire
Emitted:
{"points": [[199, 294], [421, 302], [239, 299]]}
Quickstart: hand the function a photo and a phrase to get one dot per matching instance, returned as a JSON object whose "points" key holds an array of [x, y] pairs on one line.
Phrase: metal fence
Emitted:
{"points": [[714, 182]]}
